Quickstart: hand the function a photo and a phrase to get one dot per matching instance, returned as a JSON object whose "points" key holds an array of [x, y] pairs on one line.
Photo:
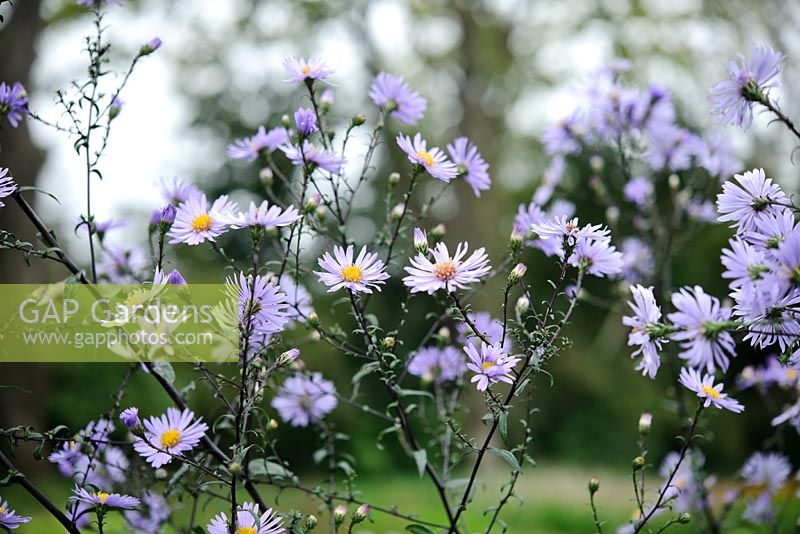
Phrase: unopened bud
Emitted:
{"points": [[522, 306], [286, 121], [515, 240], [235, 468], [684, 518], [313, 319], [420, 241], [339, 514], [114, 108], [594, 485], [320, 213], [312, 203], [444, 334], [398, 211], [388, 342], [288, 357], [358, 119], [645, 421], [638, 463], [517, 273], [297, 365], [394, 179], [311, 522], [438, 231], [150, 46], [596, 162], [161, 474], [266, 176], [272, 424], [674, 181], [360, 513], [612, 214]]}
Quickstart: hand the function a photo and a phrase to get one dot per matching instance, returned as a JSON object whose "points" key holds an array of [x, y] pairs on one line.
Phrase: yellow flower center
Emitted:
{"points": [[351, 273], [170, 438], [791, 374], [245, 530], [2, 510], [306, 70], [102, 496], [711, 392], [425, 157], [445, 270], [487, 365], [202, 223]]}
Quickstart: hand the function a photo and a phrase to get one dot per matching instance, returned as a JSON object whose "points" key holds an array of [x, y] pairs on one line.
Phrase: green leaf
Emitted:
{"points": [[414, 393], [504, 427], [165, 370], [265, 467], [419, 529], [508, 457], [366, 369], [421, 457]]}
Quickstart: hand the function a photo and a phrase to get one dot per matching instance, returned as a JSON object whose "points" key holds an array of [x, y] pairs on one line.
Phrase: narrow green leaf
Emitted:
{"points": [[508, 457]]}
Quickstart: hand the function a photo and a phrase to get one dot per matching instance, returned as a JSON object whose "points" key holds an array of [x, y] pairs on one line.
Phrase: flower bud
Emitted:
{"points": [[150, 46], [320, 213], [394, 179], [612, 214], [114, 108], [297, 365], [288, 357], [311, 522], [398, 211], [420, 241], [166, 217], [286, 122], [438, 231], [326, 100], [596, 162], [272, 424], [515, 240], [266, 176], [638, 463], [130, 418], [360, 514], [674, 181], [522, 306], [684, 518], [161, 474], [358, 119], [594, 485], [645, 421], [175, 278], [313, 319], [388, 342], [312, 202], [339, 514], [517, 273], [235, 468], [444, 334]]}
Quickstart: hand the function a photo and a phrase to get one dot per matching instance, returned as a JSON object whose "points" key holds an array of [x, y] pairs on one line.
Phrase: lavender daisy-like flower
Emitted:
{"points": [[671, 147], [13, 102], [101, 499], [130, 418], [771, 230], [564, 137], [704, 387], [446, 272], [744, 263], [9, 519], [306, 121], [702, 329], [766, 471], [149, 521], [769, 314], [249, 148], [638, 262], [196, 221], [341, 271], [314, 156], [391, 93], [751, 201], [645, 325], [432, 160], [174, 278], [487, 325], [715, 155], [491, 364], [298, 297], [639, 191], [749, 80], [249, 520], [306, 70], [471, 164], [596, 257], [173, 433], [174, 190], [562, 227], [7, 185], [305, 399], [266, 216], [785, 268], [122, 264], [264, 300], [686, 489], [439, 365]]}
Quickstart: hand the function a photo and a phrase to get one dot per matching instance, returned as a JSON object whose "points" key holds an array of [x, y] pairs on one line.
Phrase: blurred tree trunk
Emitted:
{"points": [[17, 152]]}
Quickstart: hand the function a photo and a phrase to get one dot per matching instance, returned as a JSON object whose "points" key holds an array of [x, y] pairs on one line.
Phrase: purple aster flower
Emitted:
{"points": [[790, 415], [785, 265], [262, 298], [341, 271], [766, 471], [671, 147], [754, 199], [704, 387], [770, 315], [446, 272], [687, 488], [550, 179], [758, 509], [470, 164], [173, 278], [9, 518], [435, 364], [306, 121], [249, 520], [639, 190], [749, 80], [744, 263], [701, 210], [266, 216], [173, 433], [392, 93], [305, 399], [130, 418], [249, 148], [306, 70], [314, 157], [596, 257], [174, 190], [108, 466], [487, 325], [101, 499], [771, 230], [122, 264], [7, 185], [151, 520], [298, 297], [197, 222], [715, 156], [645, 323], [702, 325], [434, 161], [564, 137], [13, 102], [491, 364], [638, 262], [561, 228]]}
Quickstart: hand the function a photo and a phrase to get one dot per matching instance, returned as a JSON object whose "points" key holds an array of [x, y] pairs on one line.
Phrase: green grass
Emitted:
{"points": [[554, 500]]}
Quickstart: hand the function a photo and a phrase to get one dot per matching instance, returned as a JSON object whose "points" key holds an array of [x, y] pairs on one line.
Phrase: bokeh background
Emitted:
{"points": [[498, 71]]}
